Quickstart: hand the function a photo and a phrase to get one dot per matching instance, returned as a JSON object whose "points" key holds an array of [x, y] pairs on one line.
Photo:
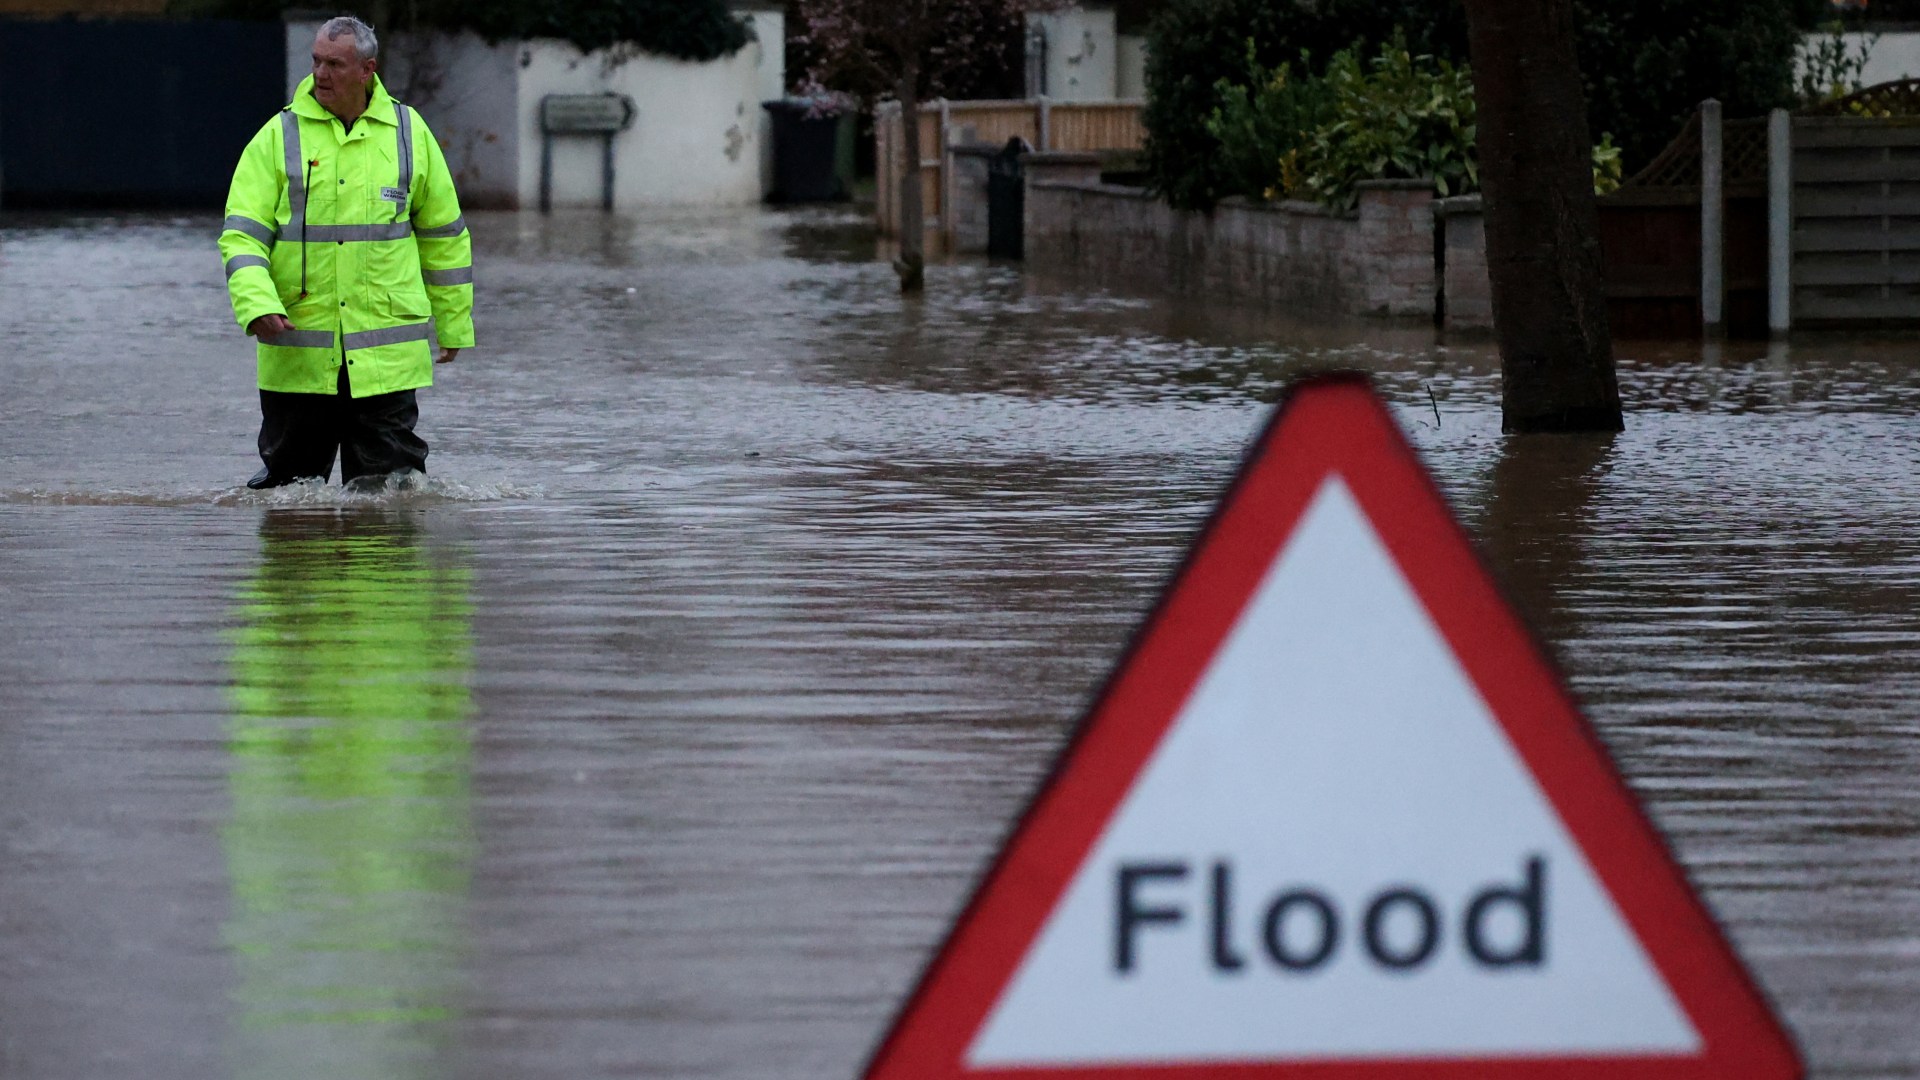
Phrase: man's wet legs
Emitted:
{"points": [[376, 436], [299, 434], [373, 436]]}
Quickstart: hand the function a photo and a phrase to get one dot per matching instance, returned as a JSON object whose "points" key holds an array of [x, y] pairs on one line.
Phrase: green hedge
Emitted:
{"points": [[683, 29], [1194, 45], [1390, 116], [686, 29], [1646, 64]]}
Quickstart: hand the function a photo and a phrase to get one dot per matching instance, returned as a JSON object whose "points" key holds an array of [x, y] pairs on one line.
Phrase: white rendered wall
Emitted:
{"points": [[1082, 57], [1893, 56], [464, 89], [1130, 82], [700, 137], [300, 35]]}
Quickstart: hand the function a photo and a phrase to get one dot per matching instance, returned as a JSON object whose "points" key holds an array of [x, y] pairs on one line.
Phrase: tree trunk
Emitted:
{"points": [[1543, 243], [912, 263]]}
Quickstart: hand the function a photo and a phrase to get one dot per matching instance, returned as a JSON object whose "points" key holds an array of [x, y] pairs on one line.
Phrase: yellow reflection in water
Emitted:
{"points": [[350, 842]]}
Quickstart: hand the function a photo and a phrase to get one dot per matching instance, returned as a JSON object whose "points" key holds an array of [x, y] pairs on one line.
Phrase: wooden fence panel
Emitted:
{"points": [[1096, 126], [1856, 219], [1650, 244], [994, 121]]}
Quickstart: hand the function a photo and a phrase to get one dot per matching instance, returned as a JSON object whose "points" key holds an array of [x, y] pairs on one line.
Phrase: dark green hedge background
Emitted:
{"points": [[685, 29], [1646, 64]]}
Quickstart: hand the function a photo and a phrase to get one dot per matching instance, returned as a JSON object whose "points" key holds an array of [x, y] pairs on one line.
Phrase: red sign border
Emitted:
{"points": [[1329, 424]]}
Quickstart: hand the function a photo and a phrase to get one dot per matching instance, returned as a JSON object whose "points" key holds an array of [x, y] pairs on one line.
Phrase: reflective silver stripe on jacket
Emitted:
{"points": [[240, 261], [388, 335], [258, 230], [332, 234], [459, 275], [303, 339], [404, 137], [297, 198], [296, 181], [440, 232]]}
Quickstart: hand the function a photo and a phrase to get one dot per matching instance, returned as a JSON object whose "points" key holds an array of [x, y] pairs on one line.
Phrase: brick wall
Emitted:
{"points": [[1377, 261]]}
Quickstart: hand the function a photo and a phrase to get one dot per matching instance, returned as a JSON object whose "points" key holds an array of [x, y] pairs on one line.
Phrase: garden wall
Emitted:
{"points": [[1378, 260]]}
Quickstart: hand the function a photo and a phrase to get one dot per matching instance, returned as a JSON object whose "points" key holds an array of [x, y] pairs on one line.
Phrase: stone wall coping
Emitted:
{"points": [[1062, 157], [980, 149], [1393, 185], [1459, 204], [1296, 207], [1123, 191]]}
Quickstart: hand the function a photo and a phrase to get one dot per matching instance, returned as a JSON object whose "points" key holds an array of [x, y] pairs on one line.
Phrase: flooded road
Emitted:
{"points": [[663, 734]]}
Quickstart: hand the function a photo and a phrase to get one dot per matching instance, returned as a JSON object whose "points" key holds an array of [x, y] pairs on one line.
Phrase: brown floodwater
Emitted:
{"points": [[663, 733]]}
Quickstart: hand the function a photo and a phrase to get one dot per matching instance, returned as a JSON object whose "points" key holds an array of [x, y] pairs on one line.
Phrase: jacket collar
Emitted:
{"points": [[379, 103]]}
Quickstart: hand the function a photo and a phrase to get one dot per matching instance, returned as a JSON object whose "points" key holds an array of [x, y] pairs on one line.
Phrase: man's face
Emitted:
{"points": [[339, 75]]}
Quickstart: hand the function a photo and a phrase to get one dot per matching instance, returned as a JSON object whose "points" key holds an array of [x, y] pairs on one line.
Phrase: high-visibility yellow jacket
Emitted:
{"points": [[355, 236]]}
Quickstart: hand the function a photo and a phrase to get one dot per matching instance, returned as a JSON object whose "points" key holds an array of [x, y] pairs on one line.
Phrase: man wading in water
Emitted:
{"points": [[346, 256]]}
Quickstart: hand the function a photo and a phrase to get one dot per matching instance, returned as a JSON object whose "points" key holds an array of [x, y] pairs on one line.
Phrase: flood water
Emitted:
{"points": [[663, 734]]}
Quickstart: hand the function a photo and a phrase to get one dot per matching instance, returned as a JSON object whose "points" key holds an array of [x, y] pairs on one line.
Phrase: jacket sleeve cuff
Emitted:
{"points": [[453, 333], [246, 313]]}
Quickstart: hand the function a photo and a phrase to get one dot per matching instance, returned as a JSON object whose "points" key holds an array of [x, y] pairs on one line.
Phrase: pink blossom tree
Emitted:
{"points": [[907, 50]]}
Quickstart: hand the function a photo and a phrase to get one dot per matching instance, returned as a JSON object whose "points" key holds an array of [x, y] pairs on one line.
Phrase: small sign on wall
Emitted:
{"points": [[586, 114], [605, 115]]}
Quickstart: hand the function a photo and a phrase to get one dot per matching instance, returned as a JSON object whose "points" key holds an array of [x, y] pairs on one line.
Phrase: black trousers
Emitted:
{"points": [[300, 433]]}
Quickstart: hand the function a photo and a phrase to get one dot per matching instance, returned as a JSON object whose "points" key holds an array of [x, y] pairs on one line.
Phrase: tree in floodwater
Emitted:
{"points": [[1543, 242], [908, 50]]}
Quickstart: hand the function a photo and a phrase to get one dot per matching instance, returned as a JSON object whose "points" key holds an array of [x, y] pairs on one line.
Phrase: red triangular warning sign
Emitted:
{"points": [[1334, 816]]}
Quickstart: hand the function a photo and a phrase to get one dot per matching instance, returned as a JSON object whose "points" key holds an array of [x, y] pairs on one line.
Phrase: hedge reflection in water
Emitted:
{"points": [[350, 845]]}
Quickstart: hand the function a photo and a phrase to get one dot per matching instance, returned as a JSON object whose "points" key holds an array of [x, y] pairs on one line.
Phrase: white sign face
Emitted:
{"points": [[1334, 852]]}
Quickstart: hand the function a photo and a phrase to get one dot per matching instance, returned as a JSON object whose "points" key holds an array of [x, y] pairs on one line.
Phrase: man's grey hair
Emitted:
{"points": [[365, 45]]}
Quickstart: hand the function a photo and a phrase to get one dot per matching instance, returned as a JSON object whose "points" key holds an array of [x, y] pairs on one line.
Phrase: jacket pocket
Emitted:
{"points": [[394, 275]]}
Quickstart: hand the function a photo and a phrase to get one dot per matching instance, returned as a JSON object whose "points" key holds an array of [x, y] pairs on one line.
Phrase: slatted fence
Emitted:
{"points": [[1856, 219]]}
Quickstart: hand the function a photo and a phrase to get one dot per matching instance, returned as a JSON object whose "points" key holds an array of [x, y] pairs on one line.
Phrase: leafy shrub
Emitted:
{"points": [[1195, 46], [684, 29], [1398, 116], [1646, 65], [1829, 66], [1395, 116], [1606, 166], [1261, 128]]}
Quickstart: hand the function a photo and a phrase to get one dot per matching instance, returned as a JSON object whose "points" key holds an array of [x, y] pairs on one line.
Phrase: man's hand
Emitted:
{"points": [[268, 327], [446, 356]]}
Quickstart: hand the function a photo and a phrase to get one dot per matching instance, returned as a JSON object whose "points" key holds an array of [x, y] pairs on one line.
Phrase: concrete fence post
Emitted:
{"points": [[884, 167], [1713, 207], [1779, 223], [945, 144]]}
